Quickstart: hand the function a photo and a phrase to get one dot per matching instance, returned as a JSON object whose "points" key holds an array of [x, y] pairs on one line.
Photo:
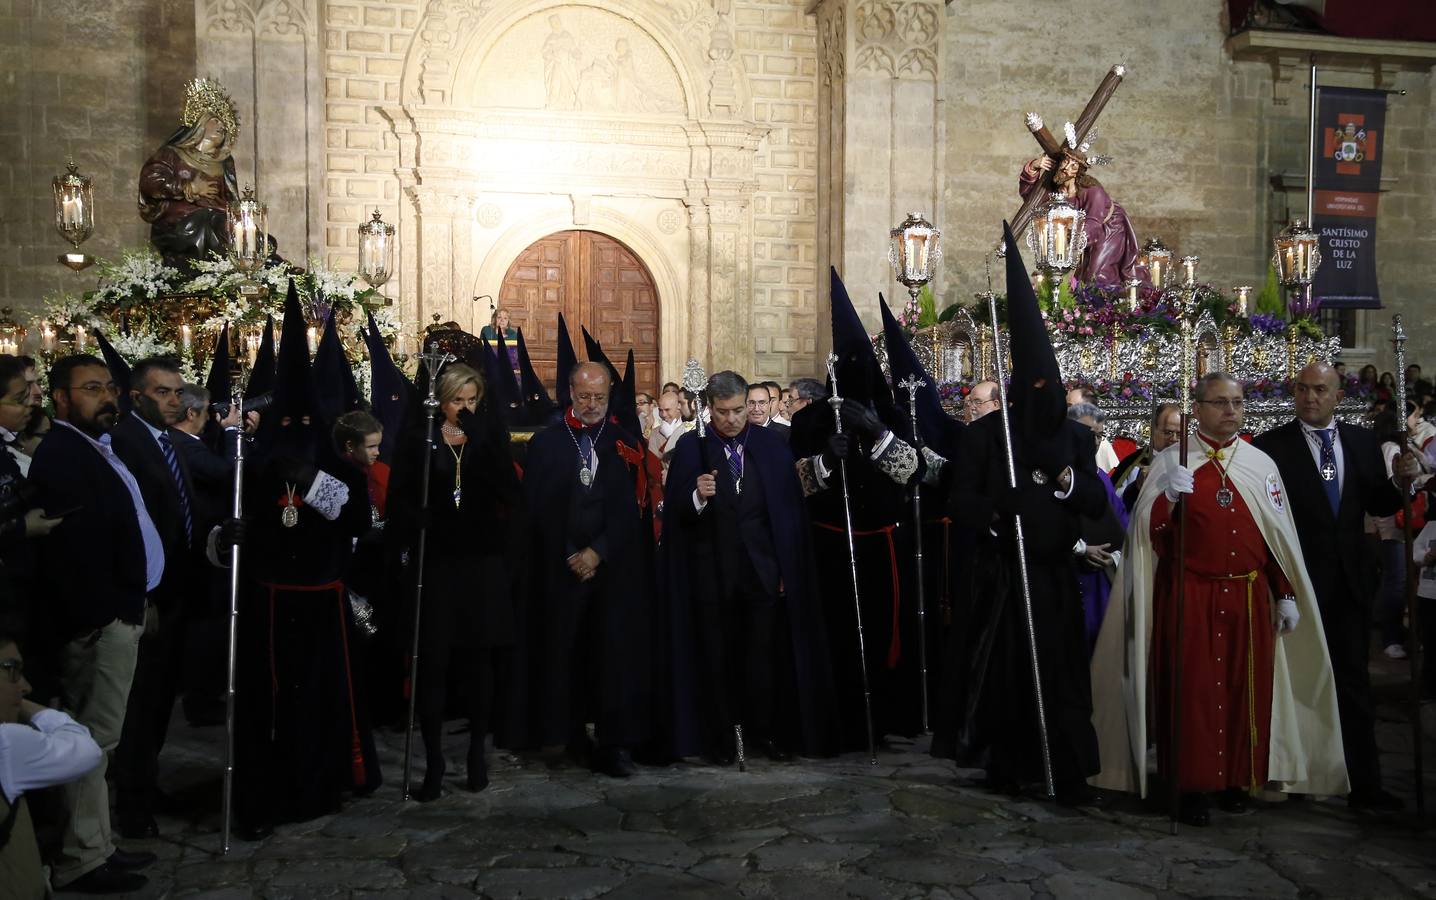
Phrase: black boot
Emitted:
{"points": [[478, 767], [433, 734]]}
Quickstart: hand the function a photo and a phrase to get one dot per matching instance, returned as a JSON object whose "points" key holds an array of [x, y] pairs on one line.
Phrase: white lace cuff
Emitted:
{"points": [[327, 496]]}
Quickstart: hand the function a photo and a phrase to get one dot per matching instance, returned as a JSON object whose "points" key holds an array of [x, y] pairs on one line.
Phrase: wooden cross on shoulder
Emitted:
{"points": [[1053, 148]]}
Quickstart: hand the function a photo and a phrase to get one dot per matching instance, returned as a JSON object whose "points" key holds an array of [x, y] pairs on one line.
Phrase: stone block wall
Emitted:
{"points": [[777, 45], [102, 83], [364, 46]]}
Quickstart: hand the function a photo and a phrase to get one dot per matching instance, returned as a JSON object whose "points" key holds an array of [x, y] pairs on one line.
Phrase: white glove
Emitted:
{"points": [[1285, 616], [1179, 480]]}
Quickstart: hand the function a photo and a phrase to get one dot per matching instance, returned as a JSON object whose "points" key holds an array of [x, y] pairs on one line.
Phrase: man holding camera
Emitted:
{"points": [[101, 563]]}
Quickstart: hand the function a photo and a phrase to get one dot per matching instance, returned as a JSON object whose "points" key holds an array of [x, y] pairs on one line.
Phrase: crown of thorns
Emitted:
{"points": [[204, 98], [1079, 151]]}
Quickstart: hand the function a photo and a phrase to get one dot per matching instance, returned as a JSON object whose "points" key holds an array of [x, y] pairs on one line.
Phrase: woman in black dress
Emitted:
{"points": [[467, 619]]}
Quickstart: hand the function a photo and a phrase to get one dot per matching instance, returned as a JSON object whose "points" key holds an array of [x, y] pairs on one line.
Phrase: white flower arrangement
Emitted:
{"points": [[139, 345], [139, 273], [66, 311]]}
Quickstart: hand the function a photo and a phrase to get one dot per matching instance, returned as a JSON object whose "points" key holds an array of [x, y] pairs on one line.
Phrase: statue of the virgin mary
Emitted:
{"points": [[186, 185]]}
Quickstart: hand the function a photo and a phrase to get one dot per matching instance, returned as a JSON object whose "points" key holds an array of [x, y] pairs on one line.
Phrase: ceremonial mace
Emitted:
{"points": [[911, 385], [997, 357], [836, 402], [236, 511], [433, 360], [1188, 309], [1398, 342], [695, 382]]}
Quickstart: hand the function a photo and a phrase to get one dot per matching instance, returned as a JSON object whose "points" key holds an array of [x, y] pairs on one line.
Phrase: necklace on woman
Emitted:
{"points": [[450, 430], [458, 472]]}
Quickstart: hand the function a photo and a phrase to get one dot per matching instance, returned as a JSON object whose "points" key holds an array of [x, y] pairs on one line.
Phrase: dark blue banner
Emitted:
{"points": [[1350, 126]]}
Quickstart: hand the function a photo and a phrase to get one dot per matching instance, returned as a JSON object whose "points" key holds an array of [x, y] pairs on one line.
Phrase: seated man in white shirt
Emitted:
{"points": [[39, 748]]}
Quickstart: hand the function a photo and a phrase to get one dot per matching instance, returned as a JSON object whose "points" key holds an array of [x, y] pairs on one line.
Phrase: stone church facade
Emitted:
{"points": [[733, 149]]}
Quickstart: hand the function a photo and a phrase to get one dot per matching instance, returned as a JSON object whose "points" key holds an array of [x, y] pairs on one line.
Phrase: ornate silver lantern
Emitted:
{"points": [[74, 213], [248, 226], [1156, 258], [1297, 257], [1057, 238], [376, 253], [914, 251]]}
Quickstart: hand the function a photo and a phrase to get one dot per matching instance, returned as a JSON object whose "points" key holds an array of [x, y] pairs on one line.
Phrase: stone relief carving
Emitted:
{"points": [[917, 24], [873, 58], [669, 221], [490, 215], [875, 22], [273, 18], [831, 43], [283, 18], [228, 17], [899, 41], [574, 59]]}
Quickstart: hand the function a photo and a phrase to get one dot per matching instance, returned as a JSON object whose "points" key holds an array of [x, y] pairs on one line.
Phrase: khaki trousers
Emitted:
{"points": [[95, 674]]}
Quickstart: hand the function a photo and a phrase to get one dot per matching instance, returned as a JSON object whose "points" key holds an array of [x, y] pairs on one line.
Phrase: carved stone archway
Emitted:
{"points": [[509, 128]]}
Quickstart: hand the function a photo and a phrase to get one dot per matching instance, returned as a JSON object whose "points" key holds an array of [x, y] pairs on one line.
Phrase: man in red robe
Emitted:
{"points": [[1256, 699]]}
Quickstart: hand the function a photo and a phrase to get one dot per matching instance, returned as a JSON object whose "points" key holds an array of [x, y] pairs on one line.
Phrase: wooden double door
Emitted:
{"points": [[598, 284]]}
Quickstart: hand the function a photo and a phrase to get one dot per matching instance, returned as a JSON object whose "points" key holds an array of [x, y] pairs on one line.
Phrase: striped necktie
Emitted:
{"points": [[173, 460]]}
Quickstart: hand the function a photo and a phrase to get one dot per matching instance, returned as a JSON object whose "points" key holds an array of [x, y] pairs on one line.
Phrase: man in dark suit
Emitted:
{"points": [[746, 625], [1334, 476], [759, 404], [146, 443], [102, 562], [589, 612]]}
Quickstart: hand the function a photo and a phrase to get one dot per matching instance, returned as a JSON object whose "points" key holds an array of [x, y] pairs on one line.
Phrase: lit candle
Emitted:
{"points": [[47, 337], [1059, 240], [1243, 293], [313, 339], [1157, 270], [252, 342], [1133, 300], [1189, 270], [247, 240], [185, 338], [401, 342], [71, 210], [79, 337]]}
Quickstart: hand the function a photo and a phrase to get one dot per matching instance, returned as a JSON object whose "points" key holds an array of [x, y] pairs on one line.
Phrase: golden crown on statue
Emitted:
{"points": [[204, 98]]}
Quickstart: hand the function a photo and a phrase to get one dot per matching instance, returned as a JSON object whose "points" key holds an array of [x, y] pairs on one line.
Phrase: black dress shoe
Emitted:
{"points": [[106, 880], [1375, 801], [478, 777], [131, 859], [774, 751], [580, 750], [1195, 810], [1078, 793], [432, 788], [1234, 800], [613, 762], [137, 828], [723, 753], [253, 832]]}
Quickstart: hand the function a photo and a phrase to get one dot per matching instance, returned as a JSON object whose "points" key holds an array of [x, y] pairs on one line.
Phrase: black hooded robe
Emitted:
{"points": [[882, 540], [587, 646], [986, 717]]}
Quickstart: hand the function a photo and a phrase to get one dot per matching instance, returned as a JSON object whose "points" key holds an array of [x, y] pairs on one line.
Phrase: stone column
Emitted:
{"points": [[266, 54], [880, 137]]}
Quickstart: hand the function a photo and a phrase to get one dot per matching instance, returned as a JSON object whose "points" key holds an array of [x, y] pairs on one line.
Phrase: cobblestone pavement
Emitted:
{"points": [[821, 829]]}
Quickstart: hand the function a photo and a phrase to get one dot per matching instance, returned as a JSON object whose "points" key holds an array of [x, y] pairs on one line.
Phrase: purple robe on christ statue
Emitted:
{"points": [[1111, 256]]}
